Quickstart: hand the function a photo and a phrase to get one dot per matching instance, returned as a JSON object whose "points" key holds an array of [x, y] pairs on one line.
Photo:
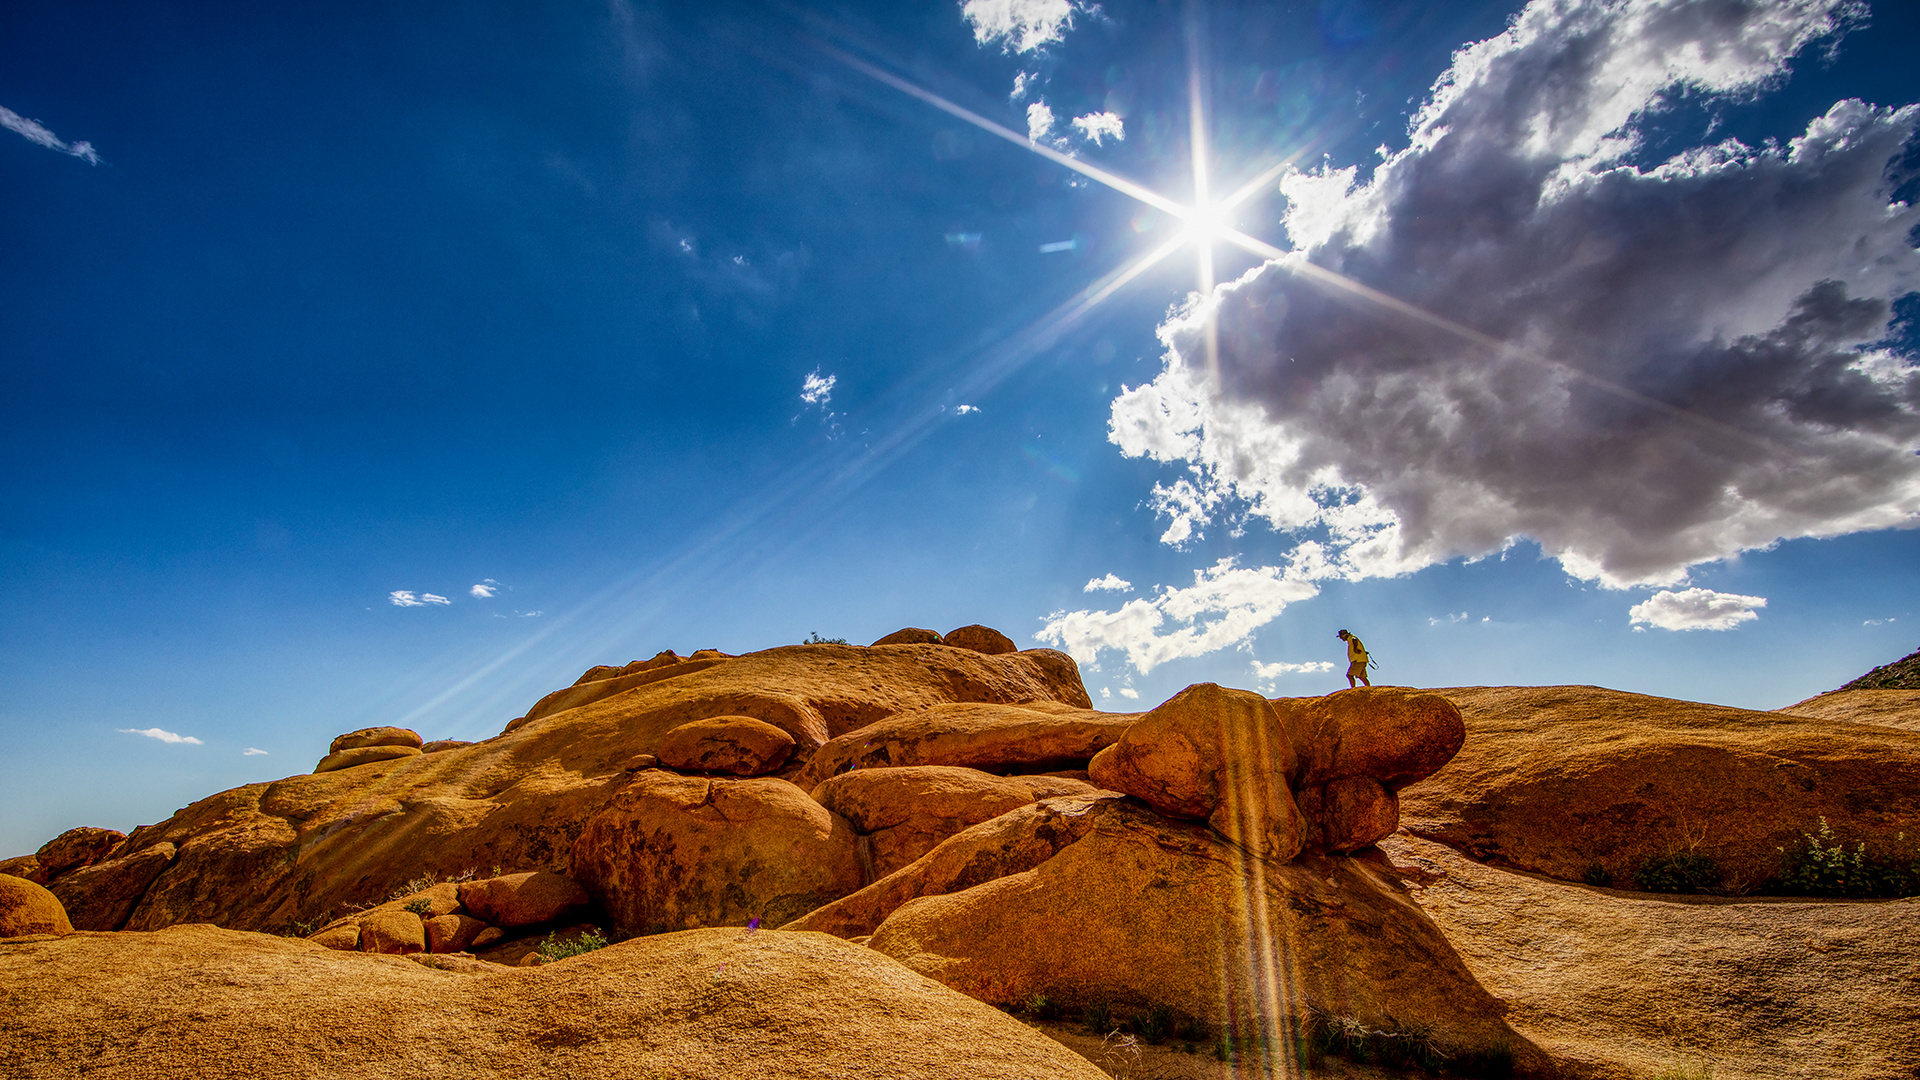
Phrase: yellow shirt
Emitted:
{"points": [[1356, 652]]}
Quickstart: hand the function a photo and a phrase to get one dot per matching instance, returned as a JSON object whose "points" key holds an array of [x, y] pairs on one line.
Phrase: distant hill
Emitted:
{"points": [[1902, 674]]}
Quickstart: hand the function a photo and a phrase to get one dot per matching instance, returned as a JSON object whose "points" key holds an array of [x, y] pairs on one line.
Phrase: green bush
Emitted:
{"points": [[422, 907], [1040, 1007], [1682, 872], [1097, 1016], [1824, 867], [555, 949], [1154, 1024], [1597, 876], [814, 638]]}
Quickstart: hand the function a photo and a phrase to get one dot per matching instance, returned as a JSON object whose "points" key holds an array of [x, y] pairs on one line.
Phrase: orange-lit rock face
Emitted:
{"points": [[676, 852], [28, 908], [738, 745]]}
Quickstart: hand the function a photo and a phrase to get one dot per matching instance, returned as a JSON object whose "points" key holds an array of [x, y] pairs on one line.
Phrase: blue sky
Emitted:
{"points": [[622, 327]]}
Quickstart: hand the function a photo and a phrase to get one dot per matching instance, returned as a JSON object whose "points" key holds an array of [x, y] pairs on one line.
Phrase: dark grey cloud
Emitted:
{"points": [[1686, 363]]}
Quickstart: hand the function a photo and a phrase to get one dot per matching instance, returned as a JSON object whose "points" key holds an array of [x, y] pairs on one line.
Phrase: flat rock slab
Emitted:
{"points": [[1628, 986], [209, 1004]]}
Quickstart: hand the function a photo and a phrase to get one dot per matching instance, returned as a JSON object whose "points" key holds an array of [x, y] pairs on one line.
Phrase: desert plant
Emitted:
{"points": [[555, 949], [1680, 872], [1824, 867], [814, 638], [1097, 1016], [1154, 1024], [1597, 876], [420, 906], [1040, 1007]]}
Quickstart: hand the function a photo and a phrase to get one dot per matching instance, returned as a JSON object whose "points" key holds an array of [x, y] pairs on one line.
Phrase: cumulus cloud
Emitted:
{"points": [[251, 751], [1687, 361], [1021, 82], [817, 389], [1696, 609], [1130, 693], [1039, 121], [1269, 672], [36, 132], [1224, 605], [1019, 25], [485, 590], [408, 598], [1518, 327], [965, 410], [1109, 583], [163, 736], [1100, 126]]}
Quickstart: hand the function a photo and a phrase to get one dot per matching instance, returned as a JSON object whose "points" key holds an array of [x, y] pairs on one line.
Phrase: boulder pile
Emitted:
{"points": [[456, 917]]}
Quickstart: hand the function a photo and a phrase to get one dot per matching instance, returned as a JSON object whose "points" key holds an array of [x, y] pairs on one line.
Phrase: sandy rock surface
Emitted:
{"points": [[208, 1004], [904, 812], [267, 855], [76, 848], [1031, 737], [675, 852], [376, 736], [363, 755], [1215, 755], [1888, 708], [1145, 911], [26, 907], [102, 896], [737, 745], [979, 638], [1626, 986], [1556, 779], [515, 900]]}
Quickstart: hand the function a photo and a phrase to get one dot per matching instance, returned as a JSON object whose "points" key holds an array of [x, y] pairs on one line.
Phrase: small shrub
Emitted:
{"points": [[1154, 1024], [1824, 867], [1596, 876], [555, 949], [1682, 872], [1040, 1007], [422, 907], [1098, 1016], [814, 638]]}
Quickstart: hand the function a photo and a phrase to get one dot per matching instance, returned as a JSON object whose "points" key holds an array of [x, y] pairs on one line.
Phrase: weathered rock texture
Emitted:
{"points": [[101, 896], [1628, 987], [363, 755], [1888, 708], [1032, 737], [1558, 779], [980, 639], [912, 635], [517, 900], [28, 908], [901, 813], [267, 855], [738, 745], [74, 849], [376, 736], [1141, 911], [676, 852], [209, 1004]]}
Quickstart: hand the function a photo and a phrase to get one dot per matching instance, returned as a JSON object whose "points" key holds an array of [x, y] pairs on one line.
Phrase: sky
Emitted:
{"points": [[394, 364]]}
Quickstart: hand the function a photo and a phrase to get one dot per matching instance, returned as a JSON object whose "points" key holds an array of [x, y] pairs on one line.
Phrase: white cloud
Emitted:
{"points": [[1270, 672], [816, 390], [1110, 583], [486, 590], [1105, 694], [163, 736], [1663, 363], [1878, 622], [1039, 121], [407, 598], [965, 410], [251, 751], [1696, 609], [1020, 84], [529, 614], [1130, 693], [1096, 127], [1222, 608], [1019, 25], [1455, 617], [36, 132]]}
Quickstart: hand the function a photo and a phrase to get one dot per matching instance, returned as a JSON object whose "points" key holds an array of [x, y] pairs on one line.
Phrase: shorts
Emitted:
{"points": [[1357, 669]]}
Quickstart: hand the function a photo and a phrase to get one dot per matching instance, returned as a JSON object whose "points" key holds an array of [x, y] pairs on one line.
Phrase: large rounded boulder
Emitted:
{"points": [[904, 812], [28, 908], [737, 745], [677, 852]]}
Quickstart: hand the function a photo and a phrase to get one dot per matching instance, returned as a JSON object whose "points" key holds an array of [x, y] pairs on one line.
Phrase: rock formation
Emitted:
{"points": [[212, 1004], [1561, 780], [27, 908]]}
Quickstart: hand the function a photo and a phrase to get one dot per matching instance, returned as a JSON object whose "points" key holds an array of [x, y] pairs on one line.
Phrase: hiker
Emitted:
{"points": [[1356, 660]]}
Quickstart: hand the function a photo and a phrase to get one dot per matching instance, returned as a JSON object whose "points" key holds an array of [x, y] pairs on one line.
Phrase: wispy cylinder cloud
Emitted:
{"points": [[36, 132]]}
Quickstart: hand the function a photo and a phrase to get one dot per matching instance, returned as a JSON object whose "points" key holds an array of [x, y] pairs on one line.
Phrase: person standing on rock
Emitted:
{"points": [[1356, 660]]}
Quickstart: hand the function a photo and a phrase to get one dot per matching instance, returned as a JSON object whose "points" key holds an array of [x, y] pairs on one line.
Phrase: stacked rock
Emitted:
{"points": [[456, 917], [369, 744]]}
